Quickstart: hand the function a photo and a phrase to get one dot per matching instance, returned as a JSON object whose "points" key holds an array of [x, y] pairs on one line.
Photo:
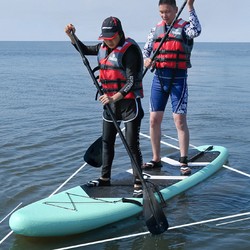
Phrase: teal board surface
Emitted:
{"points": [[74, 211]]}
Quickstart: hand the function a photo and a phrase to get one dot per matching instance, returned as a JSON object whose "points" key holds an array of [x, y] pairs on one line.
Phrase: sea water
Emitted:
{"points": [[49, 117]]}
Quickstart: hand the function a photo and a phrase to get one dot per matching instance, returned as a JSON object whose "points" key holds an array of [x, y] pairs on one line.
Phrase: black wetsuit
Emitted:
{"points": [[127, 110]]}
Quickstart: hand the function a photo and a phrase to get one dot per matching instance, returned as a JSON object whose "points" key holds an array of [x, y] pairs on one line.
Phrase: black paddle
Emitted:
{"points": [[153, 213], [193, 158], [166, 35]]}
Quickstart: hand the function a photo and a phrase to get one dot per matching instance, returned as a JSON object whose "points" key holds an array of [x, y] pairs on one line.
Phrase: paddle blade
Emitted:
{"points": [[93, 155], [154, 216]]}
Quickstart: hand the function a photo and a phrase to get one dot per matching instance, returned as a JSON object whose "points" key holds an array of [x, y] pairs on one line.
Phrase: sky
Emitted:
{"points": [[44, 20]]}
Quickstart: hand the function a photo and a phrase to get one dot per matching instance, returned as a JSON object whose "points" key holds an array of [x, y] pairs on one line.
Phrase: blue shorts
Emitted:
{"points": [[178, 90]]}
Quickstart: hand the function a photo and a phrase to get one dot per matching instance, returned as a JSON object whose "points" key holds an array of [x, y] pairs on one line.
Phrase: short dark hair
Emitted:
{"points": [[169, 2]]}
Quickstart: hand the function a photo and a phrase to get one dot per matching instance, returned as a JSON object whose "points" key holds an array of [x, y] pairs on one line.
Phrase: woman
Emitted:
{"points": [[121, 65]]}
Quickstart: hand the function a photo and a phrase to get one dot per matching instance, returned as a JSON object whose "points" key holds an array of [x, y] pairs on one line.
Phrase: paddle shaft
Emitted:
{"points": [[166, 35]]}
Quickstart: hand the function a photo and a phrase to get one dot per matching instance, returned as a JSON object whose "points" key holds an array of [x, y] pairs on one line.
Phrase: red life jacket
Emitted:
{"points": [[175, 52], [112, 73]]}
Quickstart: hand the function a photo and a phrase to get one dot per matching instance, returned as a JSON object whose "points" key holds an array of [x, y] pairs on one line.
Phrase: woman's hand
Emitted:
{"points": [[104, 99], [69, 29]]}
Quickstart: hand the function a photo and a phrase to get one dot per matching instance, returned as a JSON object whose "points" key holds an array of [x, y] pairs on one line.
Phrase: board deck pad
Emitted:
{"points": [[122, 184]]}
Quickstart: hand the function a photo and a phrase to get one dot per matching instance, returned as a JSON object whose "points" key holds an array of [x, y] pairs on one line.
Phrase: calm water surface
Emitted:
{"points": [[49, 117]]}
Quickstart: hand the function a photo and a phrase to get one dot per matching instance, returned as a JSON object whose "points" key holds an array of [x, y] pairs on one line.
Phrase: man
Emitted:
{"points": [[170, 77]]}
